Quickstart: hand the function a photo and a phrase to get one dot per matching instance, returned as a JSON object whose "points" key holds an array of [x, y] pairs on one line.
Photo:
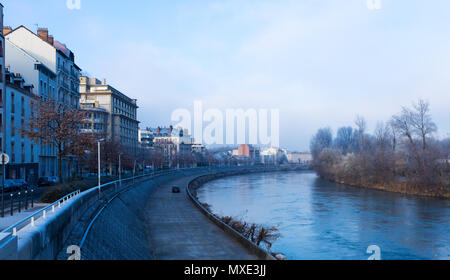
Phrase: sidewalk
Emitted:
{"points": [[9, 220]]}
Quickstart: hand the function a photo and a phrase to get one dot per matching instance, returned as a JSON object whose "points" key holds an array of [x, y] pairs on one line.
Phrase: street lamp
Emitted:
{"points": [[120, 169], [99, 166], [4, 162]]}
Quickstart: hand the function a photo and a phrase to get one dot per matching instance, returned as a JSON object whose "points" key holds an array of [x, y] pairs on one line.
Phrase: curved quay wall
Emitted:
{"points": [[196, 183]]}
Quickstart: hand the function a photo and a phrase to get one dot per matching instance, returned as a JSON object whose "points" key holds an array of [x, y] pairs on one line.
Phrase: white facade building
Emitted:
{"points": [[50, 66], [55, 56]]}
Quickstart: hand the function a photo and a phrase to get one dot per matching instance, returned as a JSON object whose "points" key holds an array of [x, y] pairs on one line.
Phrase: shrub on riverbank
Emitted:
{"points": [[256, 233]]}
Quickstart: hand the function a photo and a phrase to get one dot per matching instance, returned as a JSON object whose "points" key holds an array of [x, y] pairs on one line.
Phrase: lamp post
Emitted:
{"points": [[5, 160], [120, 169], [99, 167]]}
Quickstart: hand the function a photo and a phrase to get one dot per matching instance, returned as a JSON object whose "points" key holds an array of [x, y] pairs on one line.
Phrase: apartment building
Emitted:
{"points": [[95, 121], [22, 151], [55, 55], [50, 67], [173, 142], [122, 124], [2, 85]]}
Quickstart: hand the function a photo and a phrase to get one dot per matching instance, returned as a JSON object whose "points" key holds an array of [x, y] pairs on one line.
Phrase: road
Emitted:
{"points": [[177, 230]]}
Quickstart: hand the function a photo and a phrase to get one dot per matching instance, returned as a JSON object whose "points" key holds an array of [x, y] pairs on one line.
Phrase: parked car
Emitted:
{"points": [[176, 190], [22, 184], [12, 185]]}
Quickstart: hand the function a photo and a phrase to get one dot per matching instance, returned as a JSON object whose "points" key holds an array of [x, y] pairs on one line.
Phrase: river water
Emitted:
{"points": [[320, 220]]}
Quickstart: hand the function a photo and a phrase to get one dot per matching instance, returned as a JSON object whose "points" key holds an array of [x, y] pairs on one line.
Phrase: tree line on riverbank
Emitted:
{"points": [[401, 155]]}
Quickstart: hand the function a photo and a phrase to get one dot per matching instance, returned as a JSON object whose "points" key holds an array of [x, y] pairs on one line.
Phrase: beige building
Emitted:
{"points": [[122, 124]]}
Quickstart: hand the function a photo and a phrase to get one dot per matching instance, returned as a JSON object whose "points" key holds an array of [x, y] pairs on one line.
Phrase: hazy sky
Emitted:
{"points": [[320, 62]]}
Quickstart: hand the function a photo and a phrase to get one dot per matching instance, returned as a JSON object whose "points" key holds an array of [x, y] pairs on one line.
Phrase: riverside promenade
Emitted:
{"points": [[149, 222]]}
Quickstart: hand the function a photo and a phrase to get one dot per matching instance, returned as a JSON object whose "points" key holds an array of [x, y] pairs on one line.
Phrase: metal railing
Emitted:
{"points": [[17, 198], [30, 220]]}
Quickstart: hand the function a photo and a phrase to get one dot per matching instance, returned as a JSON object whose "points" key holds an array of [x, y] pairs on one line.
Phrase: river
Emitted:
{"points": [[321, 220]]}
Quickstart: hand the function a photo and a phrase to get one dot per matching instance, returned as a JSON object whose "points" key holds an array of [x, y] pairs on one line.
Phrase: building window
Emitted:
{"points": [[23, 153], [13, 152], [23, 107], [22, 128], [13, 128], [13, 105], [32, 153]]}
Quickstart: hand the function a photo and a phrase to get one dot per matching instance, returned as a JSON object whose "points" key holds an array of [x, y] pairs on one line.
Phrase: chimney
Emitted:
{"points": [[51, 40], [104, 82], [43, 34], [7, 30]]}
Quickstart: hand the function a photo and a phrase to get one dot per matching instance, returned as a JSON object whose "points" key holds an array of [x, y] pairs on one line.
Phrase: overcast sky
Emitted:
{"points": [[320, 62]]}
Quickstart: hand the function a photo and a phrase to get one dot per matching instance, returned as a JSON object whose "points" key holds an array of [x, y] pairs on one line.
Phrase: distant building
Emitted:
{"points": [[122, 124], [198, 148], [146, 138], [95, 121], [173, 142], [251, 152], [272, 155], [299, 157]]}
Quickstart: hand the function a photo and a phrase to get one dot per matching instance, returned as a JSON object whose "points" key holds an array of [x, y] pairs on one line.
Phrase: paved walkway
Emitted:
{"points": [[9, 220], [177, 230]]}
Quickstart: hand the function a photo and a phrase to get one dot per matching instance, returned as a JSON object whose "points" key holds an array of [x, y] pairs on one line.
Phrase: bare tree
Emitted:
{"points": [[322, 140], [361, 126], [56, 124], [422, 122], [344, 139]]}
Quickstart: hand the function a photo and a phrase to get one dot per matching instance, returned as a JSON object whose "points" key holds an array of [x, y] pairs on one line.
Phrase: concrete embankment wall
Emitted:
{"points": [[45, 239]]}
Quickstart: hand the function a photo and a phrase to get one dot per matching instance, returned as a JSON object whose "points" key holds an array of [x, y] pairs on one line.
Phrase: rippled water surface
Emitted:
{"points": [[323, 220]]}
